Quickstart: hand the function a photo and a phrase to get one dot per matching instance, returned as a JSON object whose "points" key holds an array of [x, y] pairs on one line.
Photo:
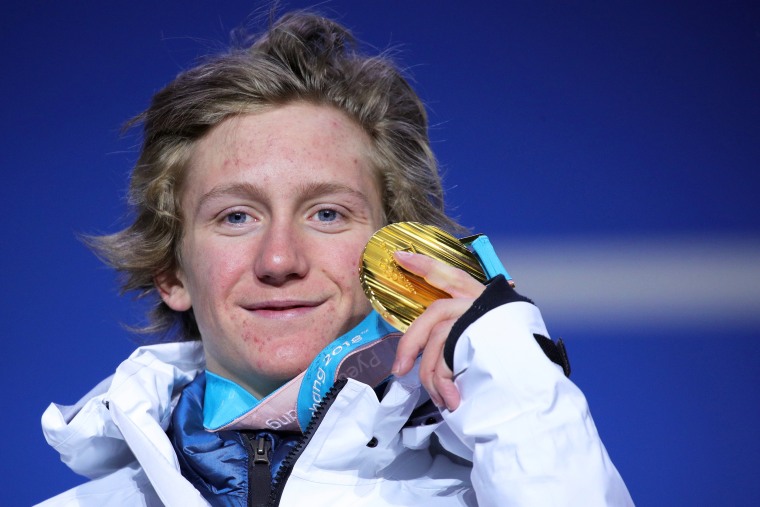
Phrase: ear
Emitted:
{"points": [[173, 291]]}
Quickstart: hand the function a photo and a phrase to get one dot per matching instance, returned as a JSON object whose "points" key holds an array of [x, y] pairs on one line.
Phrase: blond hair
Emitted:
{"points": [[302, 56]]}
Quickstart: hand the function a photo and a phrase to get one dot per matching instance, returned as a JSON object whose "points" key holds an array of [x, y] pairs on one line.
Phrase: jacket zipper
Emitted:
{"points": [[278, 485], [259, 470]]}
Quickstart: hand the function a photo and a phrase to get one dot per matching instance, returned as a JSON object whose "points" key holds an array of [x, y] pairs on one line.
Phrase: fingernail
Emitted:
{"points": [[403, 254], [398, 366]]}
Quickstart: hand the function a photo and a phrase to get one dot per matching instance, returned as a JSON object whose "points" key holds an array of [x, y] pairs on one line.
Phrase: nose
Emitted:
{"points": [[280, 255]]}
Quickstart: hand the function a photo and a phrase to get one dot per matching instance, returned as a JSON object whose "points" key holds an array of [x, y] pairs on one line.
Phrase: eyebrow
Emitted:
{"points": [[313, 190], [305, 191], [239, 189]]}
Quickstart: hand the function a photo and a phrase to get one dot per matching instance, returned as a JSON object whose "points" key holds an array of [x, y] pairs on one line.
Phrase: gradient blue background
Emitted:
{"points": [[584, 123]]}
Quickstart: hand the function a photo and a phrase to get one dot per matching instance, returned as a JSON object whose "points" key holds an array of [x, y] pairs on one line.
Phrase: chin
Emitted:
{"points": [[291, 364]]}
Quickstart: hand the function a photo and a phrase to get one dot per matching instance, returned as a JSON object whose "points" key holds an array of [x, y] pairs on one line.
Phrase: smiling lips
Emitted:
{"points": [[283, 309]]}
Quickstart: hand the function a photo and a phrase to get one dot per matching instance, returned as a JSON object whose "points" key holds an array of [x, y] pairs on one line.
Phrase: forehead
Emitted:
{"points": [[298, 143], [291, 130]]}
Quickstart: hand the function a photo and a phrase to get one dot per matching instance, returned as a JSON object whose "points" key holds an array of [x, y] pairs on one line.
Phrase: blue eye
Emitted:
{"points": [[237, 217], [327, 215]]}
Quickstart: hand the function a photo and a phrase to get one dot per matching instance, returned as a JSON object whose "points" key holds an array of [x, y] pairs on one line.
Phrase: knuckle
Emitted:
{"points": [[438, 306], [461, 278], [441, 329], [426, 379], [410, 340], [444, 384]]}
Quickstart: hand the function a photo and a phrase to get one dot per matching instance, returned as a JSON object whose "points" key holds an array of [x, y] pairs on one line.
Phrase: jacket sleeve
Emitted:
{"points": [[525, 426]]}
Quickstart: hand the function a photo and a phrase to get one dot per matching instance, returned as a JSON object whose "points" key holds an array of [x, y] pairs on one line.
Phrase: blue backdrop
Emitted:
{"points": [[610, 149]]}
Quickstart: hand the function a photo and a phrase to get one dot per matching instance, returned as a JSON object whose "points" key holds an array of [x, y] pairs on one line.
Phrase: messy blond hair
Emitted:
{"points": [[301, 57]]}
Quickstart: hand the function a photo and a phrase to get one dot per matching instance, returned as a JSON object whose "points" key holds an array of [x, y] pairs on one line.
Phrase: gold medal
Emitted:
{"points": [[396, 294]]}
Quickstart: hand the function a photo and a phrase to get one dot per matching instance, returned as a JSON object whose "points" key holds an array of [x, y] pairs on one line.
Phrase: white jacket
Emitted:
{"points": [[522, 424]]}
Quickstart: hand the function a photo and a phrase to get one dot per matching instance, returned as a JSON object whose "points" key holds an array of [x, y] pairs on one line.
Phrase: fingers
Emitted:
{"points": [[428, 333], [445, 389], [435, 375], [452, 280], [420, 333]]}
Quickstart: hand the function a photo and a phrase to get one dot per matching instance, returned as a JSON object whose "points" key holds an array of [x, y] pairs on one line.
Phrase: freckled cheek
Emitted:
{"points": [[254, 343], [345, 264], [223, 264], [251, 347], [214, 276], [347, 277]]}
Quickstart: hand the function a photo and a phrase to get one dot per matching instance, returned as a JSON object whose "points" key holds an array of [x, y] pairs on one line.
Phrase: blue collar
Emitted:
{"points": [[224, 401]]}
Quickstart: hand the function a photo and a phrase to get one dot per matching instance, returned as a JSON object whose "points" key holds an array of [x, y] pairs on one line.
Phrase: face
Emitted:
{"points": [[277, 208]]}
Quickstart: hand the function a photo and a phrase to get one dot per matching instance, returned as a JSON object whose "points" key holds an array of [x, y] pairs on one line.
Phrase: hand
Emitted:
{"points": [[429, 331]]}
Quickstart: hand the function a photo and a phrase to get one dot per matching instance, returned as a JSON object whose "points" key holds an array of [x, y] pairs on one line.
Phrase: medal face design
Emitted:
{"points": [[396, 294]]}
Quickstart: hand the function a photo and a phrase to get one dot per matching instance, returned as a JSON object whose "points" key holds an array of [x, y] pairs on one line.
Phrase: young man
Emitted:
{"points": [[262, 176]]}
